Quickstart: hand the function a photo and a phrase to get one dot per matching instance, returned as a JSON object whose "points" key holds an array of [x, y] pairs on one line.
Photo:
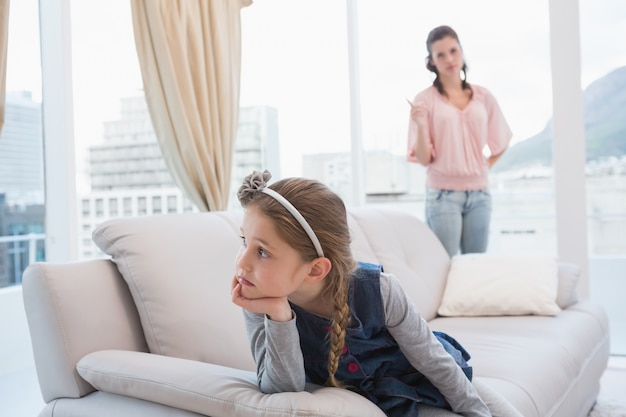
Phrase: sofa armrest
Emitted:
{"points": [[74, 309], [211, 389]]}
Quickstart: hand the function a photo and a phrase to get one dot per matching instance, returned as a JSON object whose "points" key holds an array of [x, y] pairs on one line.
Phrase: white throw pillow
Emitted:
{"points": [[179, 268], [501, 284]]}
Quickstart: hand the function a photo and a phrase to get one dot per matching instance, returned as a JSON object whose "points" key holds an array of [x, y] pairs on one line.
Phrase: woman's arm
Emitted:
{"points": [[277, 354], [426, 353], [493, 159], [418, 134]]}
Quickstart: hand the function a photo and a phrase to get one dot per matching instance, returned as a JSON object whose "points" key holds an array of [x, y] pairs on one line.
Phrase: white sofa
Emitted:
{"points": [[152, 330]]}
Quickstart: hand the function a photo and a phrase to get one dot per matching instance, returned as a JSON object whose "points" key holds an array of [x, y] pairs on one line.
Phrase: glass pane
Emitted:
{"points": [[508, 57], [294, 61], [604, 83], [121, 171], [22, 203]]}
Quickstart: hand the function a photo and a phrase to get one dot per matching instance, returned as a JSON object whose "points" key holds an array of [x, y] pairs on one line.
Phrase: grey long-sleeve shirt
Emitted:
{"points": [[280, 365]]}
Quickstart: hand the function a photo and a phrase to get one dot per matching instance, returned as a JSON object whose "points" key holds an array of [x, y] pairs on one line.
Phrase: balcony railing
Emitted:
{"points": [[16, 253]]}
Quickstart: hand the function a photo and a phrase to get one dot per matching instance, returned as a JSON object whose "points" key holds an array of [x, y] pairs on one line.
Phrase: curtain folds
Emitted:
{"points": [[4, 39], [190, 57]]}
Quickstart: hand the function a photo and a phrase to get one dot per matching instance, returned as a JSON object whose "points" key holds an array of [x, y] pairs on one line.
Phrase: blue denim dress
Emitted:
{"points": [[372, 363]]}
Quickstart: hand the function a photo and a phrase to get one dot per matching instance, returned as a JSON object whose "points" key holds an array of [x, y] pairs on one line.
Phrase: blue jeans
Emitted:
{"points": [[460, 219]]}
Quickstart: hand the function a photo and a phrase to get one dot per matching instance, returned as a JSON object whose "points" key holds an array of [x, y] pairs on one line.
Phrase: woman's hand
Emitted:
{"points": [[277, 308], [422, 150], [418, 112]]}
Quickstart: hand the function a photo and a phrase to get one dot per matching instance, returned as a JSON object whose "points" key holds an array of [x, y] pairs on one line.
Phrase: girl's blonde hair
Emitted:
{"points": [[326, 214]]}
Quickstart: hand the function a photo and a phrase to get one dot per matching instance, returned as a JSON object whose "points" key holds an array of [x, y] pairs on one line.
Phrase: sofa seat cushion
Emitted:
{"points": [[535, 361], [212, 390]]}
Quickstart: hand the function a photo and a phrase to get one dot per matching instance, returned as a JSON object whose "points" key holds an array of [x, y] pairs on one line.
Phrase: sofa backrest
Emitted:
{"points": [[405, 247], [179, 269]]}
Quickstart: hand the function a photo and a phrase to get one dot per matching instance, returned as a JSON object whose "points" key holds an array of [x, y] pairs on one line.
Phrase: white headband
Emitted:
{"points": [[294, 211]]}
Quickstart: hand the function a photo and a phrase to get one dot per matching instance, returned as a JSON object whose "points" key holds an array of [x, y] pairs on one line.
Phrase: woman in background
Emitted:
{"points": [[451, 122]]}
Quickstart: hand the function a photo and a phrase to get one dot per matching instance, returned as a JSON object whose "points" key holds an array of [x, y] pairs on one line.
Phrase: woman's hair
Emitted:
{"points": [[326, 214], [435, 35]]}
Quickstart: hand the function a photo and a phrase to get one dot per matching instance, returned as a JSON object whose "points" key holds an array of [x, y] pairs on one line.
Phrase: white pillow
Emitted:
{"points": [[212, 390], [501, 284], [178, 268]]}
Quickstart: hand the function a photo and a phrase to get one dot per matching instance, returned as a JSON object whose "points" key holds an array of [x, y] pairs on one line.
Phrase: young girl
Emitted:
{"points": [[314, 315]]}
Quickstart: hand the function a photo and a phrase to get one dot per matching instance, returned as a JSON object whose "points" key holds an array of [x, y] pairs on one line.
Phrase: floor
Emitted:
{"points": [[613, 383]]}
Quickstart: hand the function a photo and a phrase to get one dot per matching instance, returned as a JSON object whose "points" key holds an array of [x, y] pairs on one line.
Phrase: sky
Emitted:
{"points": [[295, 58]]}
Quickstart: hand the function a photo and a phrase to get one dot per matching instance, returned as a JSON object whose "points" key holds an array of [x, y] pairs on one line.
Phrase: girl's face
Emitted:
{"points": [[266, 265], [447, 56]]}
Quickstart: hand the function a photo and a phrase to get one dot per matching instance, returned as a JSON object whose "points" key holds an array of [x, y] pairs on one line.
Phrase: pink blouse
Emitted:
{"points": [[457, 139]]}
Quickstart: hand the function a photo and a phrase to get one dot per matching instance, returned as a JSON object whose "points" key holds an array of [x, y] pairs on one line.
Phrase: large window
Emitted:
{"points": [[117, 154], [22, 202], [301, 67], [603, 55]]}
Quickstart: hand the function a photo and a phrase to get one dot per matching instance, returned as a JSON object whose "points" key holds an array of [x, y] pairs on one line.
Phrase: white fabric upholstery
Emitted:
{"points": [[211, 389], [482, 284], [165, 290], [180, 283]]}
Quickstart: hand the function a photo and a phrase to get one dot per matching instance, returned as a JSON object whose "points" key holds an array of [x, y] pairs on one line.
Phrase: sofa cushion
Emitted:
{"points": [[542, 364], [211, 389], [569, 275], [179, 269], [501, 284]]}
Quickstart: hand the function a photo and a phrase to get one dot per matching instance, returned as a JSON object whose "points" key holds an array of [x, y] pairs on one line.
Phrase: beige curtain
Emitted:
{"points": [[190, 57], [4, 37]]}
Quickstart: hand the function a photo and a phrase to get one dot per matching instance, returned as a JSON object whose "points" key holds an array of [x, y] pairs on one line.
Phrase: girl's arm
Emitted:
{"points": [[277, 354], [425, 352]]}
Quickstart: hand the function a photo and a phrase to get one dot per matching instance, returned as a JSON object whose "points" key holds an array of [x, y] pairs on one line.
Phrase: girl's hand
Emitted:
{"points": [[277, 308]]}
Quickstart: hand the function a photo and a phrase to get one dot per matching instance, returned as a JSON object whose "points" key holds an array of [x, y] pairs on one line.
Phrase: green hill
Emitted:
{"points": [[605, 127]]}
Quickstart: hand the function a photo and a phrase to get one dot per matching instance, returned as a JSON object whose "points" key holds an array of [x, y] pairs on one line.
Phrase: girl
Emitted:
{"points": [[313, 314], [450, 123]]}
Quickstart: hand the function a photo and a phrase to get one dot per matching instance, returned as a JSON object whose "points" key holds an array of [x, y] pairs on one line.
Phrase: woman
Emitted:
{"points": [[451, 123]]}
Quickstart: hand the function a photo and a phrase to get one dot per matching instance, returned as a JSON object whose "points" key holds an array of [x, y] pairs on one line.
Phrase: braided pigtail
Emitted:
{"points": [[340, 320]]}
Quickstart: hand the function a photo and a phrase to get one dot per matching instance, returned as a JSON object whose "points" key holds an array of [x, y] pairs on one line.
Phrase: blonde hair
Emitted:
{"points": [[326, 213]]}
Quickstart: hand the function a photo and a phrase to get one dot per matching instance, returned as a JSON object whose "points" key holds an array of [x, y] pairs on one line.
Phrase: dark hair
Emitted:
{"points": [[435, 35]]}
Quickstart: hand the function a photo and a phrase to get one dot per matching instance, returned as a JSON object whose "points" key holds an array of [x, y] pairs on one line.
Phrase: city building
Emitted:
{"points": [[21, 187], [21, 150], [129, 176], [578, 33]]}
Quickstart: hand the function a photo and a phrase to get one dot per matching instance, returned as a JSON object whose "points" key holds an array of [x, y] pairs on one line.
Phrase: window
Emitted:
{"points": [[142, 206], [86, 204], [172, 204], [22, 202], [156, 204], [309, 67], [128, 206], [99, 207], [113, 207], [603, 77]]}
